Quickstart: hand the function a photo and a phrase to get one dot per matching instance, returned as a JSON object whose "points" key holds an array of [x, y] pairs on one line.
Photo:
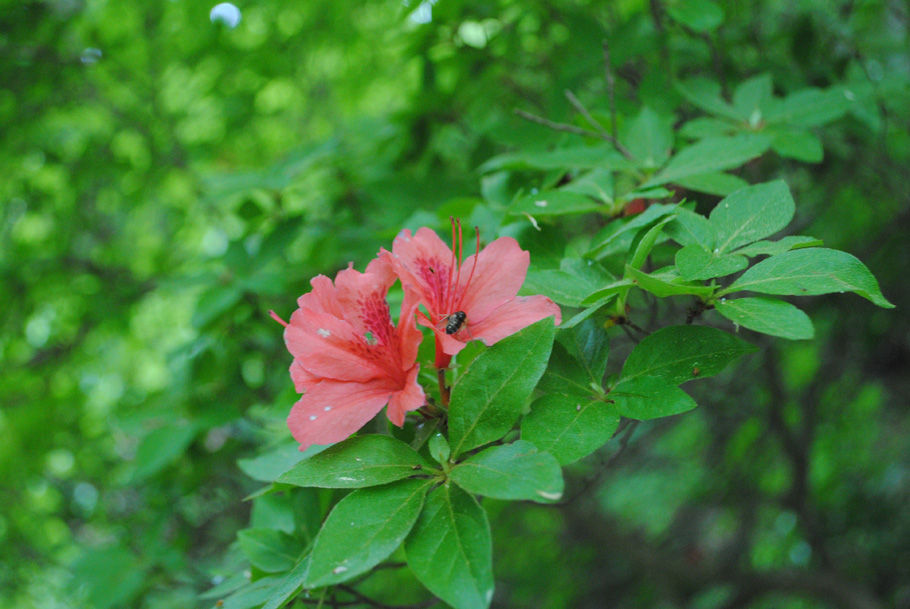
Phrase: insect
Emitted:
{"points": [[455, 321]]}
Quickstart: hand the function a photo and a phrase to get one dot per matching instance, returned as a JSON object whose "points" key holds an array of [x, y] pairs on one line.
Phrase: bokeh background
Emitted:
{"points": [[167, 177]]}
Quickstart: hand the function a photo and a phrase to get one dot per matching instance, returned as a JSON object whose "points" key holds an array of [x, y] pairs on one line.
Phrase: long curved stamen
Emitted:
{"points": [[454, 288], [445, 298], [473, 266]]}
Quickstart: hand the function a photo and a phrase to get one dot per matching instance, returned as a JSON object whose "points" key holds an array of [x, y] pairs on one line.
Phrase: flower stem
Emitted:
{"points": [[444, 391]]}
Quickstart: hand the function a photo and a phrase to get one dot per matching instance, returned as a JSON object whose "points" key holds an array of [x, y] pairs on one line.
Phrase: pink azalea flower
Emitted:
{"points": [[349, 358], [467, 299]]}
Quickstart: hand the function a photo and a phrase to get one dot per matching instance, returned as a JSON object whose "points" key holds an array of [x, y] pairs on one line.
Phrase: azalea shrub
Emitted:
{"points": [[516, 387]]}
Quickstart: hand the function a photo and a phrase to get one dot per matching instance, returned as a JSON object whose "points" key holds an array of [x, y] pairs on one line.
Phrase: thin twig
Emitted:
{"points": [[380, 605], [610, 137], [611, 87], [559, 126]]}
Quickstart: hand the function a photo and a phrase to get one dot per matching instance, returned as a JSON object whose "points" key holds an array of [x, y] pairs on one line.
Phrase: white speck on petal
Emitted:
{"points": [[312, 417], [540, 203], [550, 496], [327, 408], [323, 332]]}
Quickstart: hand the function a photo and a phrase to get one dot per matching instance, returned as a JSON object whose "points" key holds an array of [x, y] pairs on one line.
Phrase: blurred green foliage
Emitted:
{"points": [[166, 180]]}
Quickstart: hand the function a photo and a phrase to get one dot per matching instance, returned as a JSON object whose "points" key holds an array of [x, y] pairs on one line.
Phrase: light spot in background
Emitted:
{"points": [[90, 55], [86, 496], [225, 13], [423, 13], [214, 242]]}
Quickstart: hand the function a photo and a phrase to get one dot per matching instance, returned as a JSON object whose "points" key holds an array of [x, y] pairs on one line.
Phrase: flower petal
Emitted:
{"points": [[501, 269], [423, 264], [328, 347], [330, 411], [512, 316], [411, 397]]}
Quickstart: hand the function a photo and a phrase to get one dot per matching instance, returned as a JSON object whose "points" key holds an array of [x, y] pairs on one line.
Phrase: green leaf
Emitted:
{"points": [[569, 427], [512, 471], [649, 397], [706, 95], [288, 586], [752, 213], [269, 550], [810, 107], [599, 297], [590, 345], [768, 316], [363, 529], [488, 397], [357, 462], [554, 203], [649, 137], [808, 272], [161, 447], [710, 155], [269, 465], [564, 374], [798, 144], [694, 262], [690, 228], [667, 283], [772, 248], [110, 576], [439, 448], [680, 353], [715, 183], [704, 126], [450, 550], [560, 286], [646, 244], [213, 303], [576, 157], [252, 595], [698, 15], [597, 184], [752, 98], [619, 227]]}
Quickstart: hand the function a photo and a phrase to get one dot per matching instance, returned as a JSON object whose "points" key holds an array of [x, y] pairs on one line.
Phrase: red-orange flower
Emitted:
{"points": [[350, 360], [474, 298]]}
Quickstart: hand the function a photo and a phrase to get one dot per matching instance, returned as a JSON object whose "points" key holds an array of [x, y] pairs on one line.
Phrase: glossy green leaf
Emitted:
{"points": [[680, 353], [667, 283], [253, 594], [705, 126], [751, 213], [554, 203], [690, 228], [560, 286], [590, 345], [569, 427], [646, 243], [269, 465], [621, 226], [289, 585], [768, 316], [564, 374], [772, 248], [488, 397], [363, 529], [649, 397], [694, 262], [269, 550], [712, 154], [439, 448], [512, 471], [605, 292], [357, 462], [808, 272], [450, 550]]}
